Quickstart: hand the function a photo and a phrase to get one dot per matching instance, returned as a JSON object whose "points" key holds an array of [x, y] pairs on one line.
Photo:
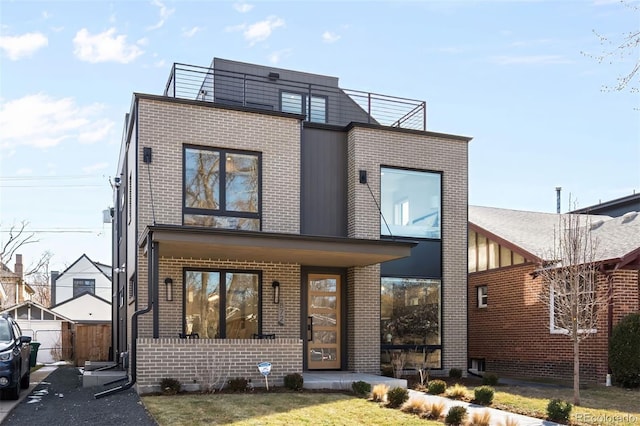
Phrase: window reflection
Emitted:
{"points": [[410, 203]]}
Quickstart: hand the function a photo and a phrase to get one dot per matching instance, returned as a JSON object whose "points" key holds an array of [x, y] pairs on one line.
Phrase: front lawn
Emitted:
{"points": [[274, 409], [599, 404]]}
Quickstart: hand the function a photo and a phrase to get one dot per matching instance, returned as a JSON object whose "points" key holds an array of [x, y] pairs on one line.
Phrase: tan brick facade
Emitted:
{"points": [[166, 125], [209, 363], [369, 149], [512, 333]]}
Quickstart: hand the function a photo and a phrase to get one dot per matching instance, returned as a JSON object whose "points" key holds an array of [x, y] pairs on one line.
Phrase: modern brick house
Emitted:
{"points": [[263, 214], [511, 331]]}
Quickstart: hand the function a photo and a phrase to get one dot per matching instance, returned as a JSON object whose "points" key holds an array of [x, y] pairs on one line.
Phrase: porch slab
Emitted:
{"points": [[342, 380]]}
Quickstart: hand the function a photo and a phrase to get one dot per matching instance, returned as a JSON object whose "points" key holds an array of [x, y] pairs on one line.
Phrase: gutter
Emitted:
{"points": [[153, 251]]}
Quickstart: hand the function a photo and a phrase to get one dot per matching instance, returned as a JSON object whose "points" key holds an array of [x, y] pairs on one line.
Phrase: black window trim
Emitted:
{"points": [[306, 104], [223, 295], [222, 212]]}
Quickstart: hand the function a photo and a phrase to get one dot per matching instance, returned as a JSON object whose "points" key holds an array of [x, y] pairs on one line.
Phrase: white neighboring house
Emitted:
{"points": [[51, 329], [83, 276], [85, 309]]}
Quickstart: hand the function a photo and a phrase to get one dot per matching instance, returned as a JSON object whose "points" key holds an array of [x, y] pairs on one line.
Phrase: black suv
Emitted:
{"points": [[15, 353]]}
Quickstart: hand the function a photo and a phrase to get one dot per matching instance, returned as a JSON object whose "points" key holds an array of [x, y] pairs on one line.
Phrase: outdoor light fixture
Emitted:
{"points": [[276, 291], [168, 286]]}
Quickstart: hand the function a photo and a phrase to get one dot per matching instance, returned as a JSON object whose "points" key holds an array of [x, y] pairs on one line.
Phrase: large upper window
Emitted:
{"points": [[314, 107], [410, 203], [222, 304], [410, 316], [81, 285], [221, 188]]}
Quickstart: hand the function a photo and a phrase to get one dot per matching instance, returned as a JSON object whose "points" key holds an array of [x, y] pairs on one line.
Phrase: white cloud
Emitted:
{"points": [[160, 64], [20, 46], [329, 37], [165, 12], [143, 41], [260, 31], [45, 15], [24, 171], [530, 60], [95, 167], [104, 47], [42, 121], [277, 56], [191, 32], [242, 7]]}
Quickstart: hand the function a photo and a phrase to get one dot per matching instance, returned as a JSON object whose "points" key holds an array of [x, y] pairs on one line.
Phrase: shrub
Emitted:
{"points": [[436, 410], [436, 387], [169, 386], [361, 388], [397, 396], [293, 381], [558, 410], [417, 406], [455, 373], [456, 415], [510, 421], [481, 418], [457, 391], [239, 384], [624, 351], [490, 379], [379, 392], [483, 395]]}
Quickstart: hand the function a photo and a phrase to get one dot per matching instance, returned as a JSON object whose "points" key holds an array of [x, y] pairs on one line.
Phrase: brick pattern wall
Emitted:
{"points": [[512, 332], [166, 126], [200, 364], [363, 322], [368, 149]]}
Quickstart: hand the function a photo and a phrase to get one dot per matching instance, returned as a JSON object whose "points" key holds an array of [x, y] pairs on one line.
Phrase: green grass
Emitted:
{"points": [[274, 409], [598, 403]]}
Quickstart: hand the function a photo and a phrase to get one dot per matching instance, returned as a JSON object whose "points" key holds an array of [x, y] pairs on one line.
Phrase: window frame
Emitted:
{"points": [[553, 329], [386, 233], [415, 347], [483, 297], [223, 295], [305, 104], [84, 288], [222, 211]]}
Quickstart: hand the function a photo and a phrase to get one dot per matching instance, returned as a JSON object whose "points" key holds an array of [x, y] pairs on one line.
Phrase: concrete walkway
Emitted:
{"points": [[36, 378], [498, 417]]}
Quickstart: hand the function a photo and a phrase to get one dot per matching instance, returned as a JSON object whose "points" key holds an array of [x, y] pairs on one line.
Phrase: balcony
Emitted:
{"points": [[319, 103]]}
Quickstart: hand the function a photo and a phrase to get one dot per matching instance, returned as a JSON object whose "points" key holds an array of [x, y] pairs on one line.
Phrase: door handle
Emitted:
{"points": [[309, 329]]}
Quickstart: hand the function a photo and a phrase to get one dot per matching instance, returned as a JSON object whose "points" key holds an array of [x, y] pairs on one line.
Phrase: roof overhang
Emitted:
{"points": [[208, 243]]}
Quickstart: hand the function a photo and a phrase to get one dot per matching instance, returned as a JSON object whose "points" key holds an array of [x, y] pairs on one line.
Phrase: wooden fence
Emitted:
{"points": [[92, 343]]}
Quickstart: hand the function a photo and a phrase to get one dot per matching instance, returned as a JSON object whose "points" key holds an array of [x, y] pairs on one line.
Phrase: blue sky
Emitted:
{"points": [[514, 75]]}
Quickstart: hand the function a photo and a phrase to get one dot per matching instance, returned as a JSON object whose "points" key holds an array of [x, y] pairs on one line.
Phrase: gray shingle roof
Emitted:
{"points": [[534, 231]]}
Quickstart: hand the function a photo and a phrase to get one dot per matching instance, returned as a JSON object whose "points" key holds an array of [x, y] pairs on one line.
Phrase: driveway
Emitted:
{"points": [[60, 399]]}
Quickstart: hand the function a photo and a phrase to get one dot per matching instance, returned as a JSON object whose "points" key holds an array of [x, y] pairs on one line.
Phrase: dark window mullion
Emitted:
{"points": [[222, 181], [222, 320]]}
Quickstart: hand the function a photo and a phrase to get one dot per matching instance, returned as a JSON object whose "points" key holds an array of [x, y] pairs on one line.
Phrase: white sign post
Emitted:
{"points": [[265, 369]]}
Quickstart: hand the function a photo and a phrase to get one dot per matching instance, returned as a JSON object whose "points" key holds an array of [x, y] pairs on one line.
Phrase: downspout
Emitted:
{"points": [[151, 258]]}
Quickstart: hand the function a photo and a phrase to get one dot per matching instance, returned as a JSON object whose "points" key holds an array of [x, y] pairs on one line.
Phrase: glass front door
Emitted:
{"points": [[323, 321]]}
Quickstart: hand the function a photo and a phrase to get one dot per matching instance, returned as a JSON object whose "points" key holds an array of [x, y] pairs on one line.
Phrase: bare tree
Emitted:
{"points": [[622, 47], [570, 286], [18, 237], [39, 277]]}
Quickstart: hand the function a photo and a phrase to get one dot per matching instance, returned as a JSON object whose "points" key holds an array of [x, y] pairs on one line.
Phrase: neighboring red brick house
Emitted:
{"points": [[511, 331]]}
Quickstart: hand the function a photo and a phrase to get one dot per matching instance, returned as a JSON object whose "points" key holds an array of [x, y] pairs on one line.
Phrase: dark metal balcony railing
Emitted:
{"points": [[326, 104]]}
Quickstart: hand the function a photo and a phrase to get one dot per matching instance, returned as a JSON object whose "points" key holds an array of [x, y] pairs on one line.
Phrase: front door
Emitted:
{"points": [[323, 321]]}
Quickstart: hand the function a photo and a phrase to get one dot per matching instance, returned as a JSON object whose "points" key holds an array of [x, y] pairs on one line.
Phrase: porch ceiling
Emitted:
{"points": [[178, 241]]}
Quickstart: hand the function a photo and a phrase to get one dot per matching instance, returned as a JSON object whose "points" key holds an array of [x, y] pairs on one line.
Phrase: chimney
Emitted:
{"points": [[19, 271], [54, 277]]}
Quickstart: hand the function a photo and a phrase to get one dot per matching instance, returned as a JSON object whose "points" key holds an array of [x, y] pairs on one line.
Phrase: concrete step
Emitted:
{"points": [[102, 377], [342, 380]]}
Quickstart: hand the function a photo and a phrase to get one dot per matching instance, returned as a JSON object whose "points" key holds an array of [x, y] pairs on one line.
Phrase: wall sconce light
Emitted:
{"points": [[276, 291], [168, 286]]}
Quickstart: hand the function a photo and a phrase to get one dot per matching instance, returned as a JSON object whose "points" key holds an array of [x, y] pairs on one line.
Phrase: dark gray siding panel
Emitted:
{"points": [[324, 183], [425, 261]]}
